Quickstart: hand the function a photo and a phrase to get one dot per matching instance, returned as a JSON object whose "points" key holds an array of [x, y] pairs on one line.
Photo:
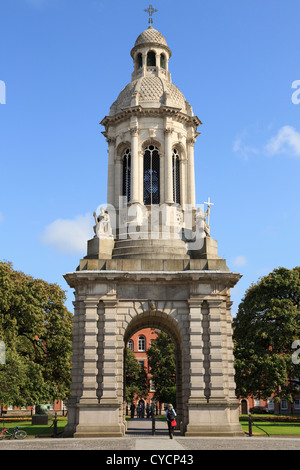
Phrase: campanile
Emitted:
{"points": [[152, 263]]}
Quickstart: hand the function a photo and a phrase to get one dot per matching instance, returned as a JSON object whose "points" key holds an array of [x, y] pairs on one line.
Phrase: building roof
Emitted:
{"points": [[151, 35], [151, 91]]}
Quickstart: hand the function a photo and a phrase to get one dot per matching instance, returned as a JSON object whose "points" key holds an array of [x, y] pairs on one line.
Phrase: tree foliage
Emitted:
{"points": [[36, 328], [136, 378], [266, 325], [162, 363]]}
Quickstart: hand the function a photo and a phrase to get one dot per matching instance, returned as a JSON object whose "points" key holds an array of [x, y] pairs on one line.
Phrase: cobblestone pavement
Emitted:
{"points": [[139, 438]]}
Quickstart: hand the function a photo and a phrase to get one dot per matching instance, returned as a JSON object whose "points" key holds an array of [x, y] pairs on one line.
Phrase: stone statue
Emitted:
{"points": [[201, 224], [103, 228]]}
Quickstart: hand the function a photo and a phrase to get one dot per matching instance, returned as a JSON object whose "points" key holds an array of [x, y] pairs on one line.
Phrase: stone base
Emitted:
{"points": [[100, 248], [96, 431], [216, 419], [87, 420], [39, 420], [209, 250], [152, 265]]}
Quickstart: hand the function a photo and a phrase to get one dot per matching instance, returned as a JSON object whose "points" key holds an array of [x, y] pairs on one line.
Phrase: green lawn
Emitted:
{"points": [[273, 428], [37, 431]]}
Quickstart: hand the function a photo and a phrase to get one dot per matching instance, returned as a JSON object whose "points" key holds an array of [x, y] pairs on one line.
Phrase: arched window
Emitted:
{"points": [[130, 344], [176, 176], [142, 343], [139, 61], [151, 59], [151, 176], [163, 61], [127, 174]]}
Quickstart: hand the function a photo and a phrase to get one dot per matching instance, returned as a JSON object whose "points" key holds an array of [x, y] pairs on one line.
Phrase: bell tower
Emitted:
{"points": [[152, 263]]}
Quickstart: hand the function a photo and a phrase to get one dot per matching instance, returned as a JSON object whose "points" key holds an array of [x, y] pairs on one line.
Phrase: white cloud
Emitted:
{"points": [[242, 149], [69, 236], [286, 141], [240, 261]]}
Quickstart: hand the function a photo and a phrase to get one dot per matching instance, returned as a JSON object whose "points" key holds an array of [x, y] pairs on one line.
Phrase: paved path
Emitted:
{"points": [[139, 438]]}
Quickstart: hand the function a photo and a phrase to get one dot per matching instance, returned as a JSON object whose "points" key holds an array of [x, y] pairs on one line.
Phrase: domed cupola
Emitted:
{"points": [[151, 85], [151, 54], [151, 131]]}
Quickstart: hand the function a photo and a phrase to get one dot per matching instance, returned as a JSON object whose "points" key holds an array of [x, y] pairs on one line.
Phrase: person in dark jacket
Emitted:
{"points": [[170, 417]]}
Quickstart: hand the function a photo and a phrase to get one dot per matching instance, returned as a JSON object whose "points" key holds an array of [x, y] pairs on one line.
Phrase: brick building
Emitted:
{"points": [[140, 343]]}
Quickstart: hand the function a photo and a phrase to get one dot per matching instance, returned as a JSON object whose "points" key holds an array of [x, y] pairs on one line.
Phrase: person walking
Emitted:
{"points": [[132, 409], [170, 417]]}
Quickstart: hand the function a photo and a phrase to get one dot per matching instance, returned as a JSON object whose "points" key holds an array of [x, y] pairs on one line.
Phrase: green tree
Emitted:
{"points": [[36, 328], [162, 363], [136, 378], [266, 325]]}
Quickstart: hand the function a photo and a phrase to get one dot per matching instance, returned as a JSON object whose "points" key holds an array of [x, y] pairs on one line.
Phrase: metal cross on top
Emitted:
{"points": [[150, 10]]}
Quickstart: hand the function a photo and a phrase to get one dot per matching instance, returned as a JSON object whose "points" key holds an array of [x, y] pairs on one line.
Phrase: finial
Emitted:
{"points": [[150, 10]]}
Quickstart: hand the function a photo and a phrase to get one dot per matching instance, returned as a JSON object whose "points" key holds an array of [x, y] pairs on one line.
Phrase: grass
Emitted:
{"points": [[37, 431], [273, 429], [261, 426]]}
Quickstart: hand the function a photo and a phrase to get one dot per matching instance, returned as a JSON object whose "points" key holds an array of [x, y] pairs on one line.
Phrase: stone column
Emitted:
{"points": [[118, 181], [197, 383], [168, 167], [90, 352], [230, 356], [109, 371], [217, 369], [111, 171], [183, 182], [141, 176], [77, 368], [135, 183], [191, 199]]}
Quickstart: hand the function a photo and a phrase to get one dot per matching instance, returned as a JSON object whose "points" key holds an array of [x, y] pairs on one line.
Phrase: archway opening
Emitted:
{"points": [[155, 345]]}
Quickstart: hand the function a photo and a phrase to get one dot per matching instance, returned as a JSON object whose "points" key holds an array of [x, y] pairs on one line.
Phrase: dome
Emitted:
{"points": [[151, 35], [150, 91]]}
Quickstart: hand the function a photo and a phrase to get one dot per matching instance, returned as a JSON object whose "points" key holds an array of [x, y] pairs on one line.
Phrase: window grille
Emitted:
{"points": [[127, 174], [151, 176], [130, 344], [176, 176]]}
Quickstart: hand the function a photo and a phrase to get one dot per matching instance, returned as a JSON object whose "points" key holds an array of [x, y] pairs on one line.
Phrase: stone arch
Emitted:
{"points": [[151, 141], [121, 148], [153, 318], [181, 149], [138, 60], [151, 58]]}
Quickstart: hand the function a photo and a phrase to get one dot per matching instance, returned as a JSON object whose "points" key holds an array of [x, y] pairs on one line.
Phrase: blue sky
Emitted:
{"points": [[64, 62]]}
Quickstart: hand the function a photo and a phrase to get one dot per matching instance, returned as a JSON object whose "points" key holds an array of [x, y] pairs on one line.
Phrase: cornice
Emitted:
{"points": [[225, 277], [139, 111]]}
